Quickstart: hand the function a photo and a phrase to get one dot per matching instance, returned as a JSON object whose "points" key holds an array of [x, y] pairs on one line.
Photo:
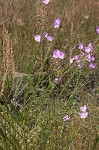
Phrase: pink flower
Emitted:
{"points": [[56, 80], [37, 38], [80, 65], [76, 57], [45, 34], [56, 23], [83, 108], [92, 65], [92, 58], [66, 118], [83, 114], [89, 57], [46, 1], [97, 29], [49, 38], [81, 46], [71, 60], [81, 54], [88, 48], [58, 54]]}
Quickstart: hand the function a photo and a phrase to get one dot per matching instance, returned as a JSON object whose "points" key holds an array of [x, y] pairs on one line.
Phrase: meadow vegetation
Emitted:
{"points": [[49, 75]]}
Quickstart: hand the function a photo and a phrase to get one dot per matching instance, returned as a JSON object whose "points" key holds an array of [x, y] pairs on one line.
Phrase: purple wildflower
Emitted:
{"points": [[71, 60], [92, 58], [81, 46], [66, 118], [80, 65], [89, 57], [57, 23], [92, 65], [76, 57], [88, 48], [81, 54], [56, 80], [45, 34], [49, 38], [46, 1], [37, 38], [83, 108], [58, 54], [97, 29], [83, 114]]}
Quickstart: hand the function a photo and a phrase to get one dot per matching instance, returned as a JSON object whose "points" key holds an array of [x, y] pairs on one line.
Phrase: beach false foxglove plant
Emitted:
{"points": [[48, 37], [58, 54], [37, 38], [97, 29], [46, 1], [57, 22], [83, 113], [66, 118]]}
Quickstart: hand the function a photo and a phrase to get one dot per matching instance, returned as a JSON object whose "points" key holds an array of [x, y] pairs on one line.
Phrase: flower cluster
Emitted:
{"points": [[83, 113], [37, 37], [48, 37], [85, 54], [58, 54], [57, 21]]}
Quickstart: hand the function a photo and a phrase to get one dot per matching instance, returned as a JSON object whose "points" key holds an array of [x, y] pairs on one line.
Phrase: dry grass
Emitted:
{"points": [[8, 58]]}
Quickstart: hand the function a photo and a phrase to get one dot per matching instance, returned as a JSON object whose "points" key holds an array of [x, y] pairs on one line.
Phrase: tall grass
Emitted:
{"points": [[32, 105]]}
